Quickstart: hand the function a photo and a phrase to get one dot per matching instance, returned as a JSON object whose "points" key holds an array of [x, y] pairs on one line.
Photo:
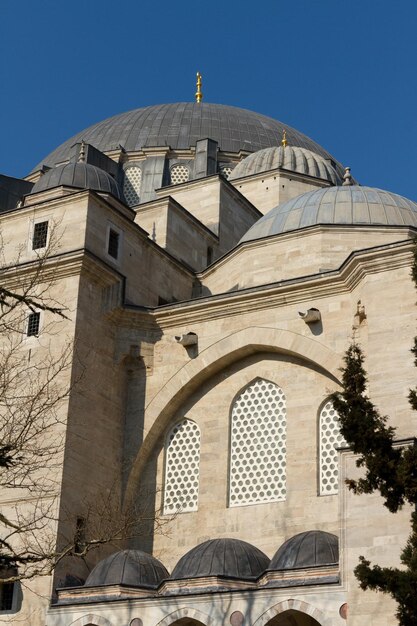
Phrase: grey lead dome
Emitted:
{"points": [[133, 568], [231, 558], [309, 549], [80, 175], [292, 158], [180, 125], [352, 205]]}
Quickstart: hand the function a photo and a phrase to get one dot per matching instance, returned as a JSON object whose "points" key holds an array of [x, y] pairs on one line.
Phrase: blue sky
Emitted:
{"points": [[343, 73]]}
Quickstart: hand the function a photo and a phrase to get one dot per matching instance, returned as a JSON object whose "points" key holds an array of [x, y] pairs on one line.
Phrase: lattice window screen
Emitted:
{"points": [[225, 171], [132, 185], [182, 467], [179, 174], [258, 439], [330, 439]]}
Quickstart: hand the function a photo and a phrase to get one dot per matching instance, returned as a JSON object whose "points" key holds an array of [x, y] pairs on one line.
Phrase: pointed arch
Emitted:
{"points": [[91, 620], [188, 613], [295, 605], [257, 464], [214, 358]]}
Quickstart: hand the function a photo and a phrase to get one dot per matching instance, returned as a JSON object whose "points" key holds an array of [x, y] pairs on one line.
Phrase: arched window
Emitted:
{"points": [[132, 185], [182, 468], [257, 445], [329, 440], [179, 174]]}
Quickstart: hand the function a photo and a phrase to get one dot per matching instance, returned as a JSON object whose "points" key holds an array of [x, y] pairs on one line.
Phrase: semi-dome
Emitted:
{"points": [[180, 125], [128, 567], [308, 549], [352, 205], [79, 174], [232, 558], [294, 158]]}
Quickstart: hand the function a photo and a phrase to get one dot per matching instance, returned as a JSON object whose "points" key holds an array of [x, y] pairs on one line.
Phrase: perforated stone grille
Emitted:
{"points": [[182, 468], [258, 453], [179, 174], [330, 439], [225, 171], [132, 184]]}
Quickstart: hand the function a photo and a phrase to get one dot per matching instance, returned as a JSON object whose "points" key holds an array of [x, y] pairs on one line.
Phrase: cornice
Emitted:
{"points": [[298, 234], [288, 174], [288, 292]]}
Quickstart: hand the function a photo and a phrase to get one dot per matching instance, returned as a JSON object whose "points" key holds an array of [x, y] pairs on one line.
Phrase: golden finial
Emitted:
{"points": [[198, 93], [284, 142]]}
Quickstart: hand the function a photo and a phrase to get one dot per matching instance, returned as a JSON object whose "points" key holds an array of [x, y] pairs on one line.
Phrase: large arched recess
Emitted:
{"points": [[183, 616], [213, 359], [295, 610]]}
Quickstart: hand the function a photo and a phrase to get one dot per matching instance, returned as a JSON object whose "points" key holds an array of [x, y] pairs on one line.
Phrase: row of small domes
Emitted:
{"points": [[230, 558]]}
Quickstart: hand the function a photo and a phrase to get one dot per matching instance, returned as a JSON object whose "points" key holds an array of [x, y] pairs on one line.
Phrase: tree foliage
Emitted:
{"points": [[388, 468], [36, 380]]}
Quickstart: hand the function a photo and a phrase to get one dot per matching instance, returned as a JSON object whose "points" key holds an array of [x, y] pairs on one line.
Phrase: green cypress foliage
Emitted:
{"points": [[389, 468]]}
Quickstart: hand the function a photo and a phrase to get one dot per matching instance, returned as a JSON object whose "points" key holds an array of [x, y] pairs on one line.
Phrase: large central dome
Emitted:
{"points": [[180, 125]]}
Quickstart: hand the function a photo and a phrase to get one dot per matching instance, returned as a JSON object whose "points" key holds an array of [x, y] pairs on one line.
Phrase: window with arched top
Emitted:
{"points": [[179, 174], [330, 439], [258, 445], [132, 184], [182, 468]]}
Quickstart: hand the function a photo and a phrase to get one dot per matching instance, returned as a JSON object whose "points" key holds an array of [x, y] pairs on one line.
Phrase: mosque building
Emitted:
{"points": [[215, 264]]}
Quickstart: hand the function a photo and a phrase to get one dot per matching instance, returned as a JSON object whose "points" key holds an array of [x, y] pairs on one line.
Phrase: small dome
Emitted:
{"points": [[293, 158], [309, 549], [81, 175], [222, 557], [352, 205], [128, 567]]}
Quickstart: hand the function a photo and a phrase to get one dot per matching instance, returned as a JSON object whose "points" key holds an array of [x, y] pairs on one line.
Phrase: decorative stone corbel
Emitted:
{"points": [[310, 316], [189, 339], [190, 343]]}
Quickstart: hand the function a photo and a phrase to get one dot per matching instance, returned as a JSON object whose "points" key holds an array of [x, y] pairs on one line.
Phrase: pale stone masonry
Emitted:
{"points": [[135, 280]]}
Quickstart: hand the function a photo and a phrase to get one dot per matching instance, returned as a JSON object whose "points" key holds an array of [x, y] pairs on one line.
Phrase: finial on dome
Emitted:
{"points": [[284, 142], [199, 93], [81, 156], [347, 178]]}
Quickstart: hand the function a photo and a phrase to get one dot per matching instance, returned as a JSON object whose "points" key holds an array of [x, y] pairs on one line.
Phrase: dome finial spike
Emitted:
{"points": [[199, 93], [81, 155], [347, 178], [284, 142]]}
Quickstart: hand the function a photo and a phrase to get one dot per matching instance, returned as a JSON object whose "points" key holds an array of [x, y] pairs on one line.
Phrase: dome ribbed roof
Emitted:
{"points": [[292, 158], [308, 549], [336, 205], [128, 567], [180, 125], [232, 558], [81, 175]]}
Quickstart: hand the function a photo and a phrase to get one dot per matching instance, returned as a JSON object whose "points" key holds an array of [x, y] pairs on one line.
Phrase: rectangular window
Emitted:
{"points": [[33, 325], [79, 535], [6, 596], [113, 248], [40, 235]]}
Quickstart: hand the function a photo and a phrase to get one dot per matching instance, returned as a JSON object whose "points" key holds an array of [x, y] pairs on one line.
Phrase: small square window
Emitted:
{"points": [[113, 248], [40, 235], [33, 324], [6, 596]]}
